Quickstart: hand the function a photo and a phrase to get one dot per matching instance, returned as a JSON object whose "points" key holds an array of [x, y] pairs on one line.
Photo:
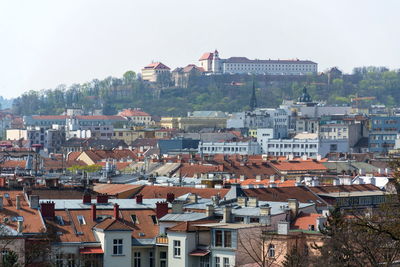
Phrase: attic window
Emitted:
{"points": [[134, 219], [311, 227], [81, 219], [60, 220], [154, 218]]}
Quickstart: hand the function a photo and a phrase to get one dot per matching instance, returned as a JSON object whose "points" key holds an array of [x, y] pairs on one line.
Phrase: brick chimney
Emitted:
{"points": [[102, 199], [116, 211], [170, 197], [48, 209], [2, 181], [86, 198], [93, 212], [161, 209], [139, 199]]}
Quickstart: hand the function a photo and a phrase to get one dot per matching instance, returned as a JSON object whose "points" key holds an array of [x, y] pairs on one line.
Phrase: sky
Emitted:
{"points": [[44, 43]]}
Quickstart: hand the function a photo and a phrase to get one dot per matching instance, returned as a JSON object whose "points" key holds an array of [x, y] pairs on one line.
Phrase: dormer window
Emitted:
{"points": [[81, 219], [134, 219], [59, 220]]}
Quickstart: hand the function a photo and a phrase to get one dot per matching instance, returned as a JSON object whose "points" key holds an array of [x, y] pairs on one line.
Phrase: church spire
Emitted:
{"points": [[253, 99]]}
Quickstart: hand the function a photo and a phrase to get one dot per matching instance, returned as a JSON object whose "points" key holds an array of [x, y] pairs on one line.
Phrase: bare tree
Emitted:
{"points": [[260, 246]]}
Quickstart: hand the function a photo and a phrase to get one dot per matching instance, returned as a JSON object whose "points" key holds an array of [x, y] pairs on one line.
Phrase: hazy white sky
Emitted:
{"points": [[46, 43]]}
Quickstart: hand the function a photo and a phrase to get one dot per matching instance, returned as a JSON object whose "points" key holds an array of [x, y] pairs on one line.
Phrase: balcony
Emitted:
{"points": [[162, 240]]}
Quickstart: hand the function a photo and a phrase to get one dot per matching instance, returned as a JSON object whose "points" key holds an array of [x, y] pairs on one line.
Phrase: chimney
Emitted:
{"points": [[265, 210], [336, 182], [283, 179], [294, 207], [86, 198], [34, 201], [18, 202], [215, 200], [242, 201], [93, 211], [177, 206], [252, 202], [315, 182], [227, 214], [304, 157], [47, 209], [139, 199], [116, 211], [170, 197], [193, 198], [20, 226], [283, 228], [209, 210], [241, 177], [272, 178], [102, 199], [258, 178], [2, 181], [298, 179], [265, 215], [1, 202], [290, 156], [161, 209]]}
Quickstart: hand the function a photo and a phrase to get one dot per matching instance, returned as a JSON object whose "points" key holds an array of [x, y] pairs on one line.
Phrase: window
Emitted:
{"points": [[136, 259], [134, 219], [227, 239], [117, 246], [177, 248], [59, 260], [163, 259], [154, 219], [217, 262], [70, 260], [151, 259], [218, 238], [226, 262], [271, 250], [81, 219], [205, 261]]}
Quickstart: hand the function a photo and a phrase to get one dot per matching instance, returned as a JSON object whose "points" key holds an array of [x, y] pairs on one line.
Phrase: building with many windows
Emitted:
{"points": [[212, 63], [383, 133]]}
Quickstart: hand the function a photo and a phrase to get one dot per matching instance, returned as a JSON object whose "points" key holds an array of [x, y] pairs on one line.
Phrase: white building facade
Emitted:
{"points": [[230, 148]]}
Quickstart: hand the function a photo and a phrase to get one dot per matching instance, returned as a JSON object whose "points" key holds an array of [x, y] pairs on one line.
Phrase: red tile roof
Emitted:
{"points": [[189, 170], [301, 193], [12, 164], [267, 182], [113, 189], [110, 224]]}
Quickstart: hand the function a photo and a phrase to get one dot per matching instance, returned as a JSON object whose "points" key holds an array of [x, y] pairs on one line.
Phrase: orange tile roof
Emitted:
{"points": [[132, 113], [298, 165], [12, 164], [304, 220], [189, 170], [150, 191], [113, 189], [190, 226], [207, 56], [32, 218]]}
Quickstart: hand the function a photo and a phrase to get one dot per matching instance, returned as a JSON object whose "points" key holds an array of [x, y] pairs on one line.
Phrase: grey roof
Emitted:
{"points": [[123, 204], [143, 242], [183, 217], [209, 137], [5, 230], [208, 113]]}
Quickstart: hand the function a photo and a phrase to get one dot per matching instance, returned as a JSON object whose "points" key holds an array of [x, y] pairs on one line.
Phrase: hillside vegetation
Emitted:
{"points": [[217, 92]]}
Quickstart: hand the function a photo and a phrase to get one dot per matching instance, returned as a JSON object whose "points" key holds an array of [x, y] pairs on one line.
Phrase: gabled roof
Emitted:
{"points": [[157, 65], [298, 165], [304, 220], [190, 226], [110, 224], [207, 56]]}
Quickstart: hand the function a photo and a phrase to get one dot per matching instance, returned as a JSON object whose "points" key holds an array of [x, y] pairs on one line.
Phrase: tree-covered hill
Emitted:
{"points": [[215, 92]]}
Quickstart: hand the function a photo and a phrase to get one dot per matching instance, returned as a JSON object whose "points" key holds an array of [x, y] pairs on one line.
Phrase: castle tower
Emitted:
{"points": [[216, 63]]}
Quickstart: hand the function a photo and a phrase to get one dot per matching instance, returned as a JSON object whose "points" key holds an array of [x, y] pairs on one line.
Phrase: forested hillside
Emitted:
{"points": [[218, 92]]}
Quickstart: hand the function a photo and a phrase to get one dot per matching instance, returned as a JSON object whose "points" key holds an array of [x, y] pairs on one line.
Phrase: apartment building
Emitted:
{"points": [[154, 70]]}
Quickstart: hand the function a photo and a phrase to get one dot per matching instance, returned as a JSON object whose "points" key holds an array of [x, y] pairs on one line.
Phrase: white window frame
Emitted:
{"points": [[118, 246], [177, 248]]}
